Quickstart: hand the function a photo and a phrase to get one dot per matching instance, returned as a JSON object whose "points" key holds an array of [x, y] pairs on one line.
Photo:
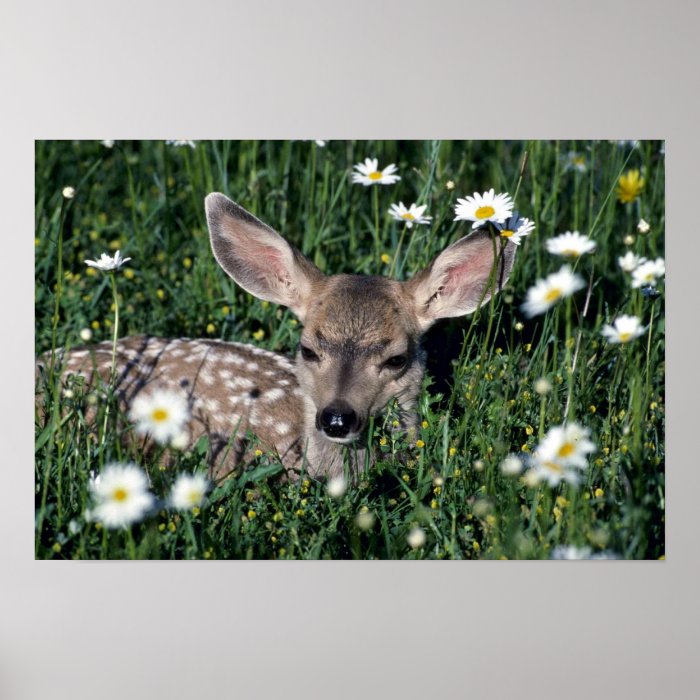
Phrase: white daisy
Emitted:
{"points": [[570, 244], [368, 173], [623, 330], [416, 538], [108, 143], [562, 454], [481, 208], [161, 414], [179, 143], [188, 491], [629, 261], [320, 142], [365, 520], [121, 495], [570, 552], [548, 292], [643, 226], [514, 228], [576, 161], [648, 273], [511, 465], [68, 192], [107, 263], [412, 215], [336, 487]]}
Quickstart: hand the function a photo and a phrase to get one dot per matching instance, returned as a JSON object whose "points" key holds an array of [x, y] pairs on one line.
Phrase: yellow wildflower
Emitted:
{"points": [[629, 186]]}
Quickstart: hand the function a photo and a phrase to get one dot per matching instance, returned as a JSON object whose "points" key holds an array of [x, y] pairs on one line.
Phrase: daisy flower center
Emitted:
{"points": [[376, 175], [194, 497], [507, 233], [552, 294], [408, 216], [570, 253], [566, 450], [625, 336], [120, 494], [159, 414], [484, 212]]}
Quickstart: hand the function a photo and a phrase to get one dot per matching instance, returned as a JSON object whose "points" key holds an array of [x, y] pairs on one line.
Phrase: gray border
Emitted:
{"points": [[360, 69]]}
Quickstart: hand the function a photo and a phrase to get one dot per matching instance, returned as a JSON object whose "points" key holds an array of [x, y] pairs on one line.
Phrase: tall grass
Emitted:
{"points": [[479, 402]]}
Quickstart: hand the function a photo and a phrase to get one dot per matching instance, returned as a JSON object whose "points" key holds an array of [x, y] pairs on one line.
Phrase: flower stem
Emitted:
{"points": [[130, 544], [115, 335], [568, 365], [113, 368], [398, 250], [375, 194], [651, 324]]}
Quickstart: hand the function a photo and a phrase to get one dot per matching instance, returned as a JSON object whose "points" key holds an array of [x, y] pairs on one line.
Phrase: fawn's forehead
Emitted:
{"points": [[370, 311]]}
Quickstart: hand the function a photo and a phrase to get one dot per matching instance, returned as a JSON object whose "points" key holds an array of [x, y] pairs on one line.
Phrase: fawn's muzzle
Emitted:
{"points": [[337, 420]]}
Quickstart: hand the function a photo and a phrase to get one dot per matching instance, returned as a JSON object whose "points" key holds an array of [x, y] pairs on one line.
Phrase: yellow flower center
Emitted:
{"points": [[194, 497], [553, 294], [570, 253], [507, 233], [484, 212], [120, 494], [625, 336], [408, 216], [159, 415], [376, 175], [566, 450]]}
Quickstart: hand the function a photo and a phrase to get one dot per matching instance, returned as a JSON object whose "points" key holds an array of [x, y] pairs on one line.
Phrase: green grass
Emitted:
{"points": [[478, 404]]}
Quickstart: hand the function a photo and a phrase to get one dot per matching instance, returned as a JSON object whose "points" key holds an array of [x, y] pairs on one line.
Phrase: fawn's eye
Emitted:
{"points": [[308, 354], [396, 362]]}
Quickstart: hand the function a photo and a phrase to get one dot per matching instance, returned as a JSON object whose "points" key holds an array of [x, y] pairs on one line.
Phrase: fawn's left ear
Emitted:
{"points": [[461, 278], [258, 258]]}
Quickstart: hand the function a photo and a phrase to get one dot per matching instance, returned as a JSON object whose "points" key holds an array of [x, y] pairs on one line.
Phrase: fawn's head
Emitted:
{"points": [[360, 344]]}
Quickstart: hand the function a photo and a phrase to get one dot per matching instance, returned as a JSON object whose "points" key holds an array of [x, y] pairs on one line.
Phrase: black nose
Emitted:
{"points": [[337, 420]]}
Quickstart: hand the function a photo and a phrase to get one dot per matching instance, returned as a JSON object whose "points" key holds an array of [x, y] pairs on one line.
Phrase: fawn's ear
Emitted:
{"points": [[461, 278], [258, 258]]}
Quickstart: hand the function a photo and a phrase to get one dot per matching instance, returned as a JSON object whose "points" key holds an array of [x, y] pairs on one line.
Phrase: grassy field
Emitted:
{"points": [[498, 381]]}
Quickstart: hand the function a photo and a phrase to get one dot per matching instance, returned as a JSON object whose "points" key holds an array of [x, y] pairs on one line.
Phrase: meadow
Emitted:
{"points": [[498, 382]]}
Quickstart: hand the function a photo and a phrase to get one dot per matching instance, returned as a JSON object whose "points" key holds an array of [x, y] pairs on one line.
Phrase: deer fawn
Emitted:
{"points": [[359, 348]]}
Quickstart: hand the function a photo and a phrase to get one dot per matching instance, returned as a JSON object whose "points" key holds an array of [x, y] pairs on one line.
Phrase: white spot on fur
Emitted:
{"points": [[240, 383], [269, 373], [206, 377], [297, 391], [212, 405], [252, 366], [283, 382], [225, 374], [282, 428], [273, 394], [235, 359]]}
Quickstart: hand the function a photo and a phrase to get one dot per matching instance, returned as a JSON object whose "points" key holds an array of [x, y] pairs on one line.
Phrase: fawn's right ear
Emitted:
{"points": [[258, 258]]}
